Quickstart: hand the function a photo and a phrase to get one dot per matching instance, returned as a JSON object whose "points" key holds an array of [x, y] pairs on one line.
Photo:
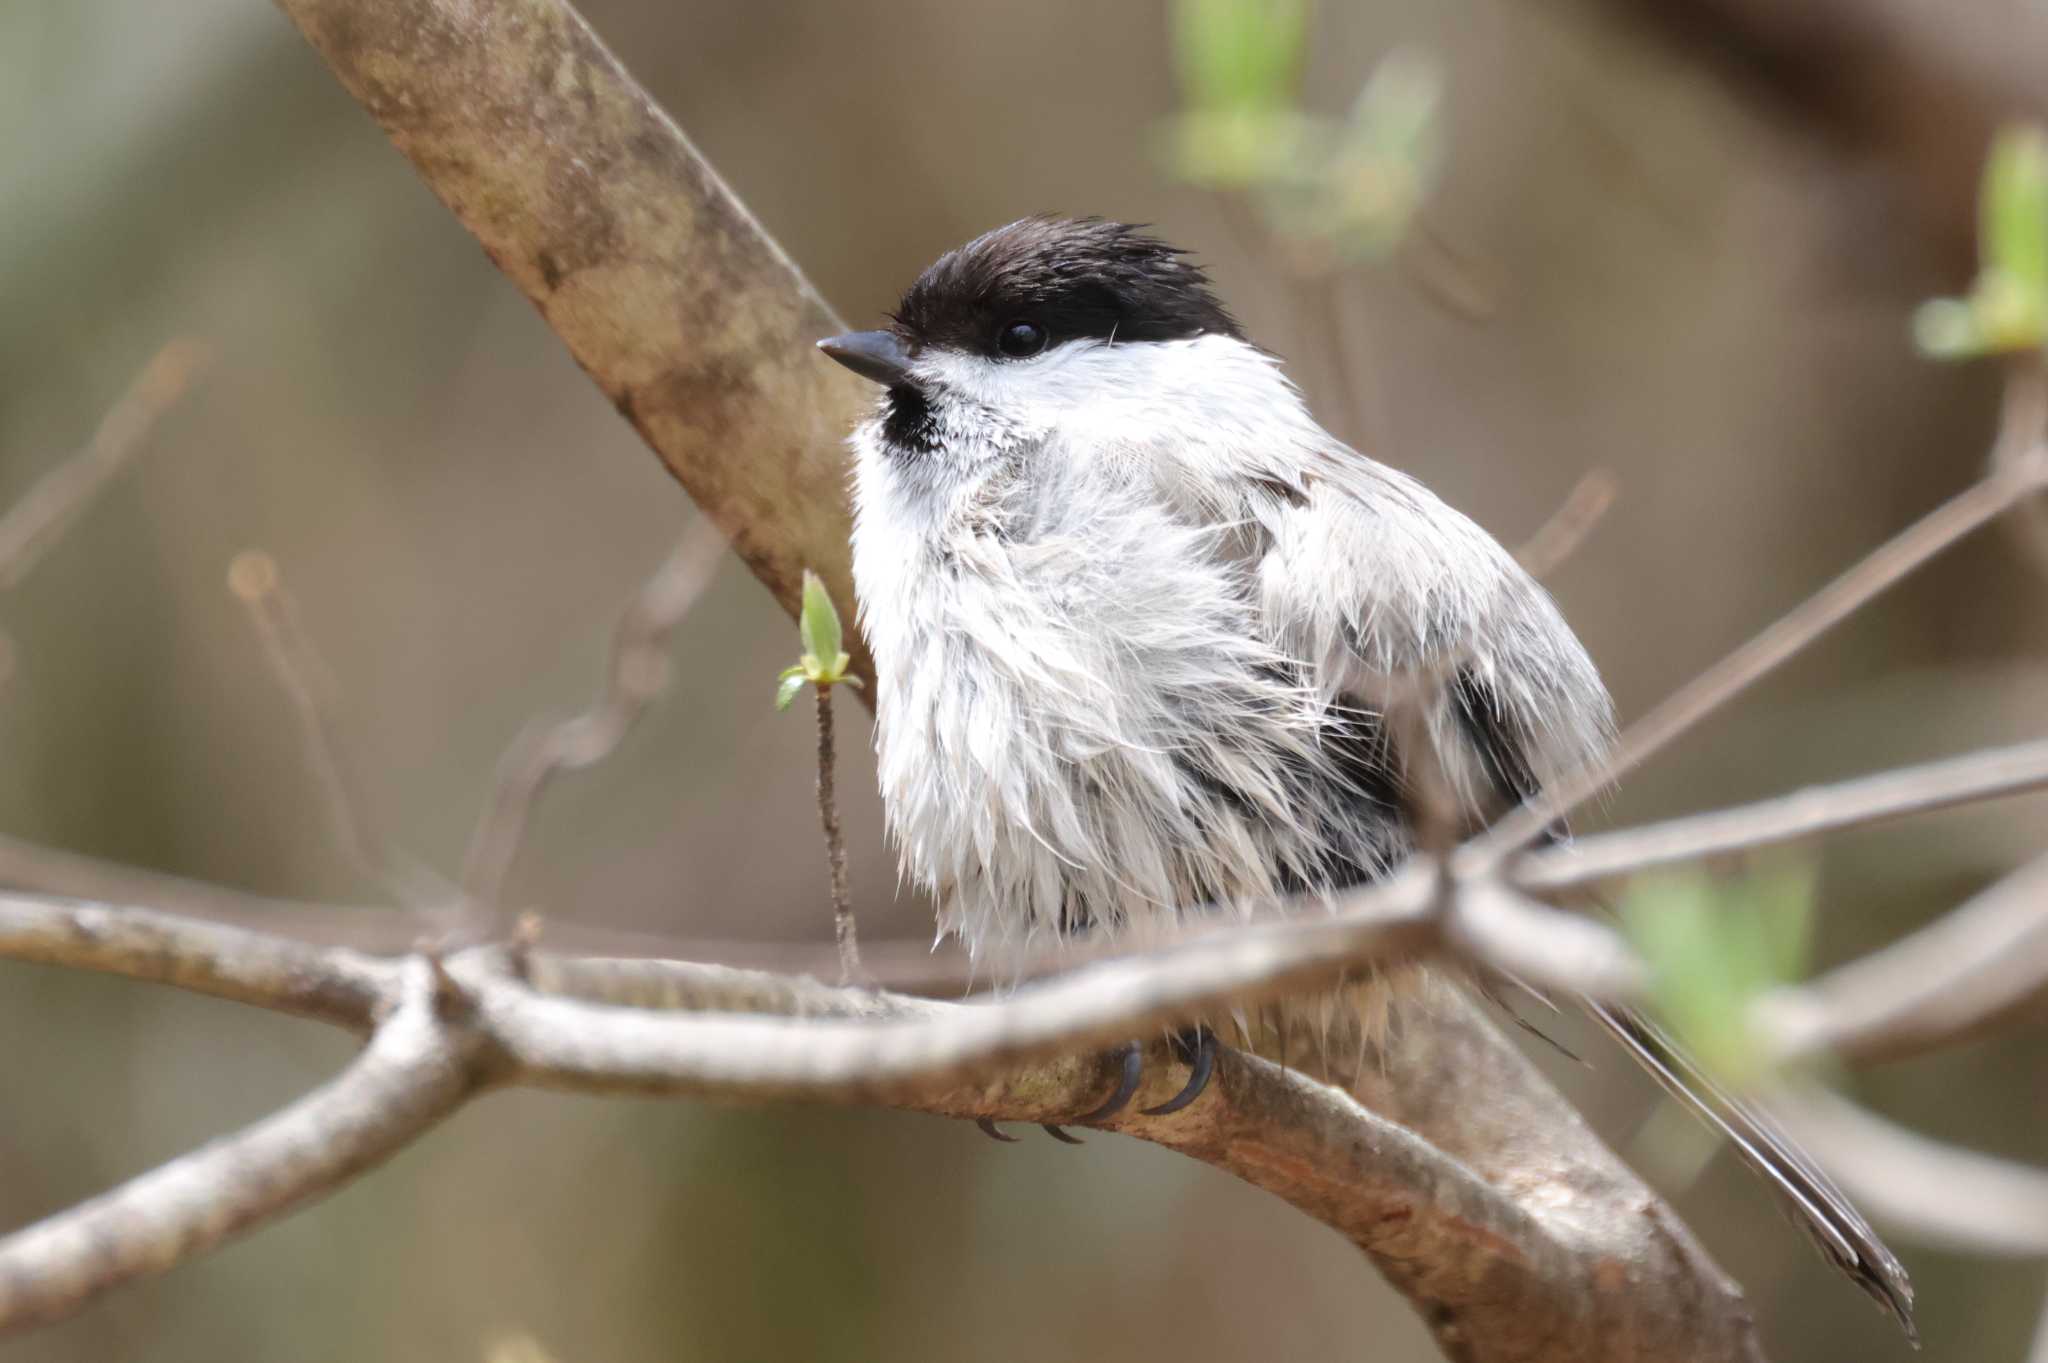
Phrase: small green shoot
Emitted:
{"points": [[824, 662], [2006, 311], [824, 666], [1342, 189]]}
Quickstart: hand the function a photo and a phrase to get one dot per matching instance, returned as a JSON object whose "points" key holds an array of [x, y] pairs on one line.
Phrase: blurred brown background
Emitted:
{"points": [[1694, 277]]}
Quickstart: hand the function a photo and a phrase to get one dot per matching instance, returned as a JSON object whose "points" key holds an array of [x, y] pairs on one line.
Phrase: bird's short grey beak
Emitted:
{"points": [[877, 355]]}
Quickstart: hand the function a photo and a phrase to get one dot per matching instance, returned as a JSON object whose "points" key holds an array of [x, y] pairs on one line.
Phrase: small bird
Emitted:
{"points": [[1149, 641]]}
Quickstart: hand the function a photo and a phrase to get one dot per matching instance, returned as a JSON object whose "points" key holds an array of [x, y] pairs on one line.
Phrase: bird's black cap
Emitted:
{"points": [[1075, 277]]}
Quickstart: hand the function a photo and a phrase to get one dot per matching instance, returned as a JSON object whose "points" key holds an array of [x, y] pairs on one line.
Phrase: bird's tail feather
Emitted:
{"points": [[1810, 1198]]}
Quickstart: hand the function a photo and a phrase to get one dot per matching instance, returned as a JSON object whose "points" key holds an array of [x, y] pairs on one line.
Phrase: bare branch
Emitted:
{"points": [[414, 1072], [254, 579], [47, 510], [1560, 537], [635, 676], [1098, 1003], [2010, 481], [1944, 784], [1396, 1176], [1964, 973], [330, 984], [1939, 1193], [1501, 1268]]}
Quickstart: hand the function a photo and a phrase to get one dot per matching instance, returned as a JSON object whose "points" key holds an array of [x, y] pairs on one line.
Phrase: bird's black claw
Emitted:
{"points": [[1197, 1046], [1133, 1061], [1131, 1057]]}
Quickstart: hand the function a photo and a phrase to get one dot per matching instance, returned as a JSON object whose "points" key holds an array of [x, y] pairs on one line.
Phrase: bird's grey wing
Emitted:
{"points": [[1372, 579], [1392, 597]]}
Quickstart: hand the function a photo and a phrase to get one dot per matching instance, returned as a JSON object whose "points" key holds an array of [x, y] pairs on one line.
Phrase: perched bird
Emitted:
{"points": [[1149, 641]]}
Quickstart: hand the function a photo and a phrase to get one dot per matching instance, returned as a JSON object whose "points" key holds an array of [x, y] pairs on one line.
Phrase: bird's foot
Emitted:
{"points": [[1195, 1046]]}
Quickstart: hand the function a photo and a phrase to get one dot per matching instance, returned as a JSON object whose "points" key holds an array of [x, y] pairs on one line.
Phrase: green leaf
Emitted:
{"points": [[1713, 946], [818, 624], [793, 681], [1235, 55], [2015, 209], [2007, 310], [1241, 148]]}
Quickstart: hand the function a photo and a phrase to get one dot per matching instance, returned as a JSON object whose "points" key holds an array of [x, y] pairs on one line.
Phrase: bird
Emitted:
{"points": [[1151, 643]]}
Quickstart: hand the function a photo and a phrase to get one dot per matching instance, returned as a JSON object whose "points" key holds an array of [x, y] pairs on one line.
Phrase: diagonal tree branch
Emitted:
{"points": [[661, 284], [698, 327], [415, 1072], [2019, 471], [1944, 1195], [1961, 975]]}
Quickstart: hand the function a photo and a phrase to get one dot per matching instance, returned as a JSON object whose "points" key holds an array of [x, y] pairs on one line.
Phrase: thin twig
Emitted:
{"points": [[636, 674], [1994, 774], [254, 579], [1961, 974], [1941, 1194], [835, 844], [56, 500], [414, 1072], [2010, 481], [1560, 537], [2025, 409], [42, 515]]}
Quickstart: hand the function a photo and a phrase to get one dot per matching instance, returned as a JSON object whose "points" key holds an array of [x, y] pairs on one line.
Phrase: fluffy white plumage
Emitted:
{"points": [[1143, 630], [1122, 615]]}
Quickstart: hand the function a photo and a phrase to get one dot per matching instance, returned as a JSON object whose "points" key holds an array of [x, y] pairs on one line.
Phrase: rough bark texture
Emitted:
{"points": [[1512, 1231], [663, 287]]}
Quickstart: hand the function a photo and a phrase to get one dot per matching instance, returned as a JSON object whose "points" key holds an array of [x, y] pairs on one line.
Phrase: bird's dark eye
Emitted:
{"points": [[1021, 339]]}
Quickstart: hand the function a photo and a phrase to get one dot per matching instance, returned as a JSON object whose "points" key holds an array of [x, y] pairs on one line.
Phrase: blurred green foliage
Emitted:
{"points": [[2006, 311], [1346, 187], [1714, 944]]}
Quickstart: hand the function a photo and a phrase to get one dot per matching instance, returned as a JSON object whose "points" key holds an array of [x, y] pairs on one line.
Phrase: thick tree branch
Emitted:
{"points": [[591, 199], [1546, 1253]]}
